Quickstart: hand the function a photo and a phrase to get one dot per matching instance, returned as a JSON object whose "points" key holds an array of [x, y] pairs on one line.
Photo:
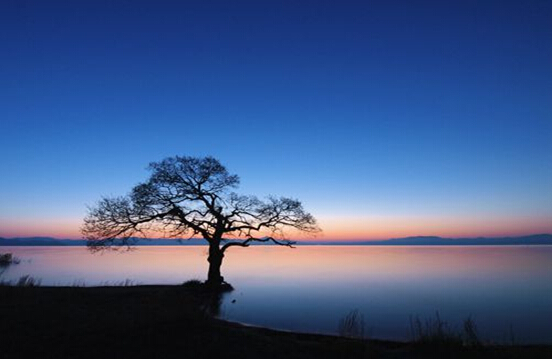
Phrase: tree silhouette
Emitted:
{"points": [[190, 197]]}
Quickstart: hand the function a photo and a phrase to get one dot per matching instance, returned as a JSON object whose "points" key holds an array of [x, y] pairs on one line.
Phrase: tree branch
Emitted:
{"points": [[248, 241]]}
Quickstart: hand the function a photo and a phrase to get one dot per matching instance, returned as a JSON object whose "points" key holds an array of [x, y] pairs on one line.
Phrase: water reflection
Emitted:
{"points": [[311, 288]]}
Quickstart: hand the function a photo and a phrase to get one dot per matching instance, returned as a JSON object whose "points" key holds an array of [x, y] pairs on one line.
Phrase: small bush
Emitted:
{"points": [[7, 259], [192, 283]]}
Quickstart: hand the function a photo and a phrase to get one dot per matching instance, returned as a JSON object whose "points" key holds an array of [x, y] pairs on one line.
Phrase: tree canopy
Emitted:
{"points": [[187, 197]]}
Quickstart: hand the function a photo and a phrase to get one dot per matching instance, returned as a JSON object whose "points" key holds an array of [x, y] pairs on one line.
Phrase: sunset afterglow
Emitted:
{"points": [[383, 122], [340, 228]]}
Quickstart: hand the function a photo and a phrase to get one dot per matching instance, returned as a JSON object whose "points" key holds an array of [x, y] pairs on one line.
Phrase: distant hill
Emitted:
{"points": [[36, 241], [523, 240], [536, 239]]}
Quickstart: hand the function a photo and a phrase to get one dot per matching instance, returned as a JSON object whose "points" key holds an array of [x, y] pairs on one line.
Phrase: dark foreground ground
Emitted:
{"points": [[171, 322]]}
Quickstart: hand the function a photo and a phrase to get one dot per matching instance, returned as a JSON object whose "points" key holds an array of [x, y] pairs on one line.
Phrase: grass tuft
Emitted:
{"points": [[434, 333], [28, 281], [352, 325], [471, 335]]}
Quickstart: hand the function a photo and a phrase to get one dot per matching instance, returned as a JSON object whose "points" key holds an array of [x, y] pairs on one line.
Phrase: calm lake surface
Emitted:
{"points": [[507, 290]]}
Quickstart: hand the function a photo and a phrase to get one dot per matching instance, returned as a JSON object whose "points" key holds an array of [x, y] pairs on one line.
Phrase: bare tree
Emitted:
{"points": [[188, 197]]}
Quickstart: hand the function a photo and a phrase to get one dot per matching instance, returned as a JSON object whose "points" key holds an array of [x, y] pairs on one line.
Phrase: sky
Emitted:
{"points": [[385, 118]]}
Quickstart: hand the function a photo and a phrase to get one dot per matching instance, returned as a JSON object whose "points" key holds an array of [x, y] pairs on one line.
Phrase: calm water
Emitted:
{"points": [[505, 289]]}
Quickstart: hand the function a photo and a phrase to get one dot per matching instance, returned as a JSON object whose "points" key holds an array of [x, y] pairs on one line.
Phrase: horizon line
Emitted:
{"points": [[303, 239]]}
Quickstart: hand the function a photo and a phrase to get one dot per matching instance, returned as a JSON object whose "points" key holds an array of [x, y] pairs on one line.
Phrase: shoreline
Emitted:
{"points": [[168, 321]]}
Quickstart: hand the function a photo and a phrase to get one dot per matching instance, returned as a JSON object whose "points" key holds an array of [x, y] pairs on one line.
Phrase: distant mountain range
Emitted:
{"points": [[536, 239]]}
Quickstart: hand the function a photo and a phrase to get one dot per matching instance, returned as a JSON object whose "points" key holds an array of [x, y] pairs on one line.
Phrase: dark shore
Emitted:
{"points": [[174, 322]]}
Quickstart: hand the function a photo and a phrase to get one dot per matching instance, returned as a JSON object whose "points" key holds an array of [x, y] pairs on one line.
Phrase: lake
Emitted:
{"points": [[507, 290]]}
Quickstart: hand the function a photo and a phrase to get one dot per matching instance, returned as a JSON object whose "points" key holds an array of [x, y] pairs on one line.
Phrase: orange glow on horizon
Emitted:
{"points": [[334, 228], [380, 228]]}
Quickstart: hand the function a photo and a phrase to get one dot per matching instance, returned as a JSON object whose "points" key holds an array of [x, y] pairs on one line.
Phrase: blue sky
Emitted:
{"points": [[412, 118]]}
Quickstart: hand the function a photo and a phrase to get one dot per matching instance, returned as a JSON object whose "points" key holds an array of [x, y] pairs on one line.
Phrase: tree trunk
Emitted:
{"points": [[215, 261]]}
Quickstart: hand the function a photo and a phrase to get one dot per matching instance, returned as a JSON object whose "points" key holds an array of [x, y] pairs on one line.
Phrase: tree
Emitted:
{"points": [[190, 197]]}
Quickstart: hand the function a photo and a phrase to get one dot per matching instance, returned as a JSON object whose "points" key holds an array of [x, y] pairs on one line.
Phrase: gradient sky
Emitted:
{"points": [[386, 118]]}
